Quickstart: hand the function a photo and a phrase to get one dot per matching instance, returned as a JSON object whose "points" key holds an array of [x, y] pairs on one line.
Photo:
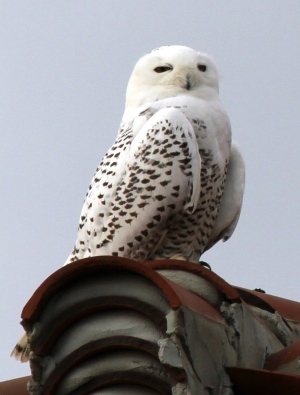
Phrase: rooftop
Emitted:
{"points": [[107, 325]]}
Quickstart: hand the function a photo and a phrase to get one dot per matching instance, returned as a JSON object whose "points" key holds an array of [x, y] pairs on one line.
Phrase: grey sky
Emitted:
{"points": [[63, 74]]}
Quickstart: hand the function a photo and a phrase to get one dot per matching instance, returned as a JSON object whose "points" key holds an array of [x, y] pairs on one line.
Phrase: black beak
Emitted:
{"points": [[188, 83]]}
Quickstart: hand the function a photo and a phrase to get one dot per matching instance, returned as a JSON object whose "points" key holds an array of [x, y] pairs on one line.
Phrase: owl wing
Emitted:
{"points": [[151, 173], [232, 199]]}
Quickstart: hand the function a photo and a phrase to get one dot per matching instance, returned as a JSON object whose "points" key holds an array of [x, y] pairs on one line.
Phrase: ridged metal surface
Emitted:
{"points": [[108, 325]]}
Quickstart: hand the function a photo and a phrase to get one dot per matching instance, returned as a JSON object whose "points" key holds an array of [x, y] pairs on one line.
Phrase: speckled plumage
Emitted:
{"points": [[158, 190]]}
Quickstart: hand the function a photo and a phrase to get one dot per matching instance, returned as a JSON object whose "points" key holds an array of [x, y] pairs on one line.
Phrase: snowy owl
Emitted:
{"points": [[172, 184], [158, 191]]}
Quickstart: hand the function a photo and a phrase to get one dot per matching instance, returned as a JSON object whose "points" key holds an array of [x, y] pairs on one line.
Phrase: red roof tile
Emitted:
{"points": [[15, 387], [69, 319], [287, 308], [283, 357]]}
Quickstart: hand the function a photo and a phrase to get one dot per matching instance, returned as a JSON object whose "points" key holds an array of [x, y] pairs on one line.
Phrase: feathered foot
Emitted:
{"points": [[21, 349], [178, 257]]}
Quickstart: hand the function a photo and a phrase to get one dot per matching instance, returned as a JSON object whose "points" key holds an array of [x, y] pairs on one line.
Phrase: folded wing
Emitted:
{"points": [[232, 199]]}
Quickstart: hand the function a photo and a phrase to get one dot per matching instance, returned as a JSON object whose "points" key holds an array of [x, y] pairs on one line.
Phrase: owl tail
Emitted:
{"points": [[21, 349]]}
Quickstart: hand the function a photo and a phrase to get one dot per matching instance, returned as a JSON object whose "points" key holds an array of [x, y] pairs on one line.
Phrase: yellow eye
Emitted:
{"points": [[201, 67], [162, 69]]}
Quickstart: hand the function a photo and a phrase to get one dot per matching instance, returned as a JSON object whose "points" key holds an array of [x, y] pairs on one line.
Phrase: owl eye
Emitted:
{"points": [[201, 67], [162, 69]]}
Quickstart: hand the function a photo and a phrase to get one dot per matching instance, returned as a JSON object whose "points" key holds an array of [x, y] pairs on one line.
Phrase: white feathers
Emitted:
{"points": [[232, 199], [21, 350], [158, 191], [147, 85]]}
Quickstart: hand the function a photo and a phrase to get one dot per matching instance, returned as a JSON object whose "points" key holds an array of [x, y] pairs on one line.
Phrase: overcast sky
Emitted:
{"points": [[63, 73]]}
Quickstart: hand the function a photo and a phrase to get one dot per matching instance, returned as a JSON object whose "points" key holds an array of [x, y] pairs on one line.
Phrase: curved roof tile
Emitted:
{"points": [[156, 327]]}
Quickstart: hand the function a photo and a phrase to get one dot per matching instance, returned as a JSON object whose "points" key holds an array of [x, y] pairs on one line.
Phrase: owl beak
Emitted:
{"points": [[188, 83]]}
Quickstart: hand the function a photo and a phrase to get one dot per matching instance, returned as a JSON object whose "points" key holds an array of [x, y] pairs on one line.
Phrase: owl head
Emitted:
{"points": [[171, 71]]}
